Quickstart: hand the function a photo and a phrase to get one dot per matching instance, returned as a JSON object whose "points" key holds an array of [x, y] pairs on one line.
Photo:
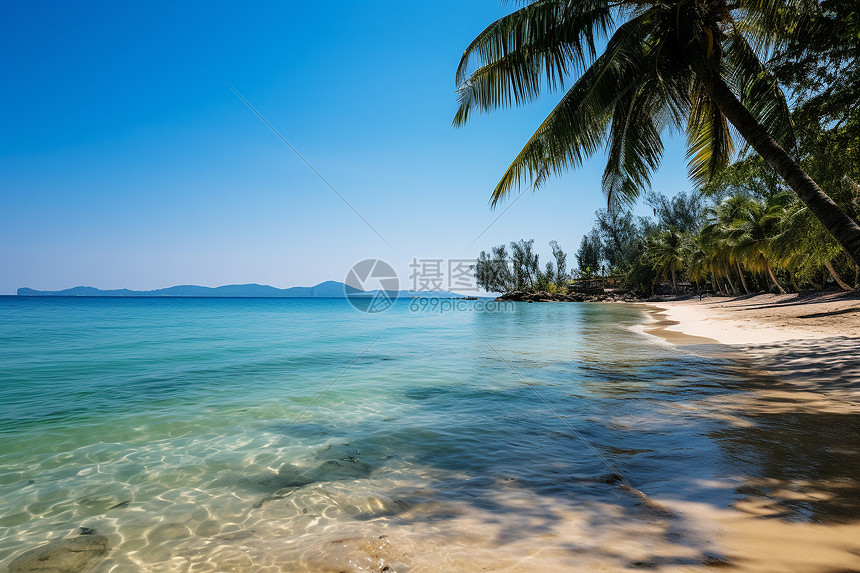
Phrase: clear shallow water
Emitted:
{"points": [[299, 434]]}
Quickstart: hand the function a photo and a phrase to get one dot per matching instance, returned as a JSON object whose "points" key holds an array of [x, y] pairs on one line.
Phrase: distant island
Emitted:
{"points": [[327, 289]]}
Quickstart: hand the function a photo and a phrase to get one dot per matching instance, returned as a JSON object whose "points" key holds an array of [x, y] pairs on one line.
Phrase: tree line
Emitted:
{"points": [[745, 234], [500, 271], [738, 241]]}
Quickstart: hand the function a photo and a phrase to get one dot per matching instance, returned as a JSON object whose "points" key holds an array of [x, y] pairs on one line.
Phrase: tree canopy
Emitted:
{"points": [[697, 66]]}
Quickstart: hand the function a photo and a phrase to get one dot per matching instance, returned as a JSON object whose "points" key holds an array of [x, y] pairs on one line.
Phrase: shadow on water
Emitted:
{"points": [[797, 438], [684, 427]]}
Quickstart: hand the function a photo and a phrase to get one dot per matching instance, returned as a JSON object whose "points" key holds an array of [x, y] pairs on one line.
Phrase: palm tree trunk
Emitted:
{"points": [[844, 229], [729, 278], [835, 276], [856, 268], [743, 280], [674, 288], [773, 278]]}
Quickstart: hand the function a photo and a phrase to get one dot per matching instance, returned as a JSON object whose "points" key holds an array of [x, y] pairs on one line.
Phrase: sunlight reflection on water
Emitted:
{"points": [[149, 420]]}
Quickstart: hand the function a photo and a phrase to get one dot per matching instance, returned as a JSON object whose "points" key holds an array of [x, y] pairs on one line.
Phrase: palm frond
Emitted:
{"points": [[709, 141], [545, 23], [516, 78], [757, 89], [543, 42], [768, 24], [577, 127], [635, 144]]}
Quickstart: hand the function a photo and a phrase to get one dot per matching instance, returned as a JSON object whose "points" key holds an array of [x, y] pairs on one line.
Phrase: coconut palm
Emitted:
{"points": [[688, 64], [753, 231], [714, 241], [721, 217], [706, 258], [698, 262], [805, 246], [667, 253]]}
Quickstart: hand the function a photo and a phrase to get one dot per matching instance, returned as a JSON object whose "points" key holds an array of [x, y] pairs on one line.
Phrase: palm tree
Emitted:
{"points": [[706, 258], [692, 64], [698, 262], [715, 243], [667, 253], [720, 219], [753, 231], [805, 245]]}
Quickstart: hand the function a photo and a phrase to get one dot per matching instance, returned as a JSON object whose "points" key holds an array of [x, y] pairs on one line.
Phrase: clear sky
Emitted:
{"points": [[126, 161]]}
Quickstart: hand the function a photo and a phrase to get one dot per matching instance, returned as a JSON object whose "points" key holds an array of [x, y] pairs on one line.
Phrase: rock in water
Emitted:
{"points": [[345, 469], [64, 556]]}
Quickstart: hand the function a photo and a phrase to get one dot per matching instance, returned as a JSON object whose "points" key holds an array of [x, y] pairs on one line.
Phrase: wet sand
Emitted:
{"points": [[802, 358]]}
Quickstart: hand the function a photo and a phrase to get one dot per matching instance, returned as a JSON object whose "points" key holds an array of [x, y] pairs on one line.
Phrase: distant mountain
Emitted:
{"points": [[327, 289]]}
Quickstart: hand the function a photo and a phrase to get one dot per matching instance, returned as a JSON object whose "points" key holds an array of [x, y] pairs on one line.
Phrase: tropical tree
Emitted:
{"points": [[525, 263], [493, 271], [561, 274], [753, 231], [692, 64], [700, 262], [589, 254], [717, 250], [718, 233], [805, 247], [667, 254], [684, 212], [823, 70], [546, 279], [618, 236]]}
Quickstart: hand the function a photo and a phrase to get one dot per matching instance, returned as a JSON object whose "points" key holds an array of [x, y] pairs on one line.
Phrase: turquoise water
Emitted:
{"points": [[300, 434]]}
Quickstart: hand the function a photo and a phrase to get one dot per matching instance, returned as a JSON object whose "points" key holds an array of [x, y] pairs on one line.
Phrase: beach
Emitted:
{"points": [[417, 325], [302, 435], [803, 343], [801, 357], [764, 318]]}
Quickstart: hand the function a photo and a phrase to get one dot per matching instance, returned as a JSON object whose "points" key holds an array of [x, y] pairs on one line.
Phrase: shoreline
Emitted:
{"points": [[757, 319], [800, 354]]}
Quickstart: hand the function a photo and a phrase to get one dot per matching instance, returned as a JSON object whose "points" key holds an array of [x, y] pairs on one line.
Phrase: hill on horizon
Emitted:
{"points": [[326, 289]]}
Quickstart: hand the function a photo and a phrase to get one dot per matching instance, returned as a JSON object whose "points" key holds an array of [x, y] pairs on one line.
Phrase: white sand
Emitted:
{"points": [[761, 319], [804, 352]]}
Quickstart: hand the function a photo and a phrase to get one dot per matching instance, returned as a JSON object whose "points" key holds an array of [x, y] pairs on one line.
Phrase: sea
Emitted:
{"points": [[306, 435]]}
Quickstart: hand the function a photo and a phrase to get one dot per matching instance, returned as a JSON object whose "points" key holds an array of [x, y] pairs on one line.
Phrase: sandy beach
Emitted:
{"points": [[804, 356], [763, 319], [802, 343]]}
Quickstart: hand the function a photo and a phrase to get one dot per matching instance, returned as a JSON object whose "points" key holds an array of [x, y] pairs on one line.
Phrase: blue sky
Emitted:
{"points": [[126, 161]]}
